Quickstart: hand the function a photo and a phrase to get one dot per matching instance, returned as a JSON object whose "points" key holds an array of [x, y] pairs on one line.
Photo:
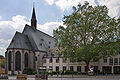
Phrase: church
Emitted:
{"points": [[32, 48], [27, 48]]}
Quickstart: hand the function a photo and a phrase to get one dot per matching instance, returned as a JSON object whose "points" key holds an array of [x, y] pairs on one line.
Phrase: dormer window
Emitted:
{"points": [[40, 44], [42, 39], [49, 42], [48, 46], [35, 58]]}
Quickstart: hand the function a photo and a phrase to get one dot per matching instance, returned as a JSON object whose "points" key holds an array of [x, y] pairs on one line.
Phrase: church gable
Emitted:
{"points": [[20, 41]]}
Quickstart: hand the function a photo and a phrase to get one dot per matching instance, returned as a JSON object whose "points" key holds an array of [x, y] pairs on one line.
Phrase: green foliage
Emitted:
{"points": [[55, 72], [1, 56], [28, 71], [90, 34], [70, 72], [43, 72], [2, 64], [34, 73]]}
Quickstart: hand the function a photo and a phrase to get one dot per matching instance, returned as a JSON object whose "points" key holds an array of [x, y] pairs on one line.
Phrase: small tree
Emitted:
{"points": [[2, 64], [90, 34], [1, 56]]}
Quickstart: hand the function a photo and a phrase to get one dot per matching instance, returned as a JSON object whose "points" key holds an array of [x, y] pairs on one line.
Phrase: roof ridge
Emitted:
{"points": [[37, 30]]}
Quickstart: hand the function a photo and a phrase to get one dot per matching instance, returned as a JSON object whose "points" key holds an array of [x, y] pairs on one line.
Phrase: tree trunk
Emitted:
{"points": [[87, 64]]}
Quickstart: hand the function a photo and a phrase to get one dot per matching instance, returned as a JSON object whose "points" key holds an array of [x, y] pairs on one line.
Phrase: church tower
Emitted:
{"points": [[33, 19]]}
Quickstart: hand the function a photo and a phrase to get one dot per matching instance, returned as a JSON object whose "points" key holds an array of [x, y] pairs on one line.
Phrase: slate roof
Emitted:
{"points": [[32, 39], [20, 41], [37, 38]]}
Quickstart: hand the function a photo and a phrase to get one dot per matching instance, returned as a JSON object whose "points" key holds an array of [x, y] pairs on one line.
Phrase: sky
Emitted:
{"points": [[14, 14]]}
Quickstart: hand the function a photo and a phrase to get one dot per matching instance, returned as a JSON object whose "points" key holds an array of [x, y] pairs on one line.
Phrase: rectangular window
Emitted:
{"points": [[44, 60], [119, 61], [57, 68], [71, 60], [36, 58], [115, 61], [105, 60], [85, 68], [95, 68], [64, 68], [64, 60], [111, 61], [50, 67], [71, 68], [44, 66], [57, 60], [79, 68]]}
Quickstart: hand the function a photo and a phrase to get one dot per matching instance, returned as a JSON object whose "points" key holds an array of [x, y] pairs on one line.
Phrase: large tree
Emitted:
{"points": [[90, 34]]}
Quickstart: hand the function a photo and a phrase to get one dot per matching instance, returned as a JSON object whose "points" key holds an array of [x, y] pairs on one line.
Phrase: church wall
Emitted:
{"points": [[22, 52], [39, 61], [31, 59], [12, 60]]}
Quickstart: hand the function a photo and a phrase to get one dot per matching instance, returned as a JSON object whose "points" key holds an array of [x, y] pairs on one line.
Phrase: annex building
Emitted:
{"points": [[32, 48]]}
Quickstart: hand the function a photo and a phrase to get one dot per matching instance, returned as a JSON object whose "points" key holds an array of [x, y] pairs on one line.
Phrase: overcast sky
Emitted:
{"points": [[14, 14]]}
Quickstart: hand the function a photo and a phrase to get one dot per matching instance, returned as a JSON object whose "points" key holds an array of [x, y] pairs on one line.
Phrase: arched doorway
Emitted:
{"points": [[9, 60], [17, 61], [26, 60]]}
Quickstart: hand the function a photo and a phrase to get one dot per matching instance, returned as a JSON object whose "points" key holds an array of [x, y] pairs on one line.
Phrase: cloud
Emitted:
{"points": [[113, 6], [66, 5], [3, 44], [8, 29], [0, 18], [17, 23], [48, 27], [50, 2], [2, 50]]}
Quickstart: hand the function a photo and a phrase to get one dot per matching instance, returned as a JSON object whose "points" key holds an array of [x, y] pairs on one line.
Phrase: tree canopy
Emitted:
{"points": [[1, 56], [90, 34]]}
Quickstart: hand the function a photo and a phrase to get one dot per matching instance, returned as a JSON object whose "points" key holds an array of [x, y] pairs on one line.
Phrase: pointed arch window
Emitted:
{"points": [[18, 61], [9, 61], [26, 59]]}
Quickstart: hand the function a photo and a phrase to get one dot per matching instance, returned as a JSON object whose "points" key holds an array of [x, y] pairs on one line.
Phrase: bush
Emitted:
{"points": [[43, 72], [71, 72], [66, 72], [28, 71], [34, 73], [55, 72]]}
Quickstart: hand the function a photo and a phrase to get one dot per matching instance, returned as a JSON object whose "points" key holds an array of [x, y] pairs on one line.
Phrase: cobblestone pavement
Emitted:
{"points": [[80, 79], [76, 78]]}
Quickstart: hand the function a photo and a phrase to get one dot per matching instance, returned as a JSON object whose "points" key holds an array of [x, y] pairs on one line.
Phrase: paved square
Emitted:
{"points": [[82, 78]]}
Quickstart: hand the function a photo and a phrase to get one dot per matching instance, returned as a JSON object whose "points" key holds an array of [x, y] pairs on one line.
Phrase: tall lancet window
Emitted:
{"points": [[9, 61], [17, 61], [26, 59]]}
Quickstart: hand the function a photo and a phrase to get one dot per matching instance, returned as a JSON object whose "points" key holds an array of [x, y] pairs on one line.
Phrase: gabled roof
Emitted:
{"points": [[20, 41], [35, 37]]}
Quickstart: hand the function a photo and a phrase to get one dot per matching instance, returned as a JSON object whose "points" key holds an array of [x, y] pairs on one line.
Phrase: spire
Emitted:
{"points": [[33, 20]]}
